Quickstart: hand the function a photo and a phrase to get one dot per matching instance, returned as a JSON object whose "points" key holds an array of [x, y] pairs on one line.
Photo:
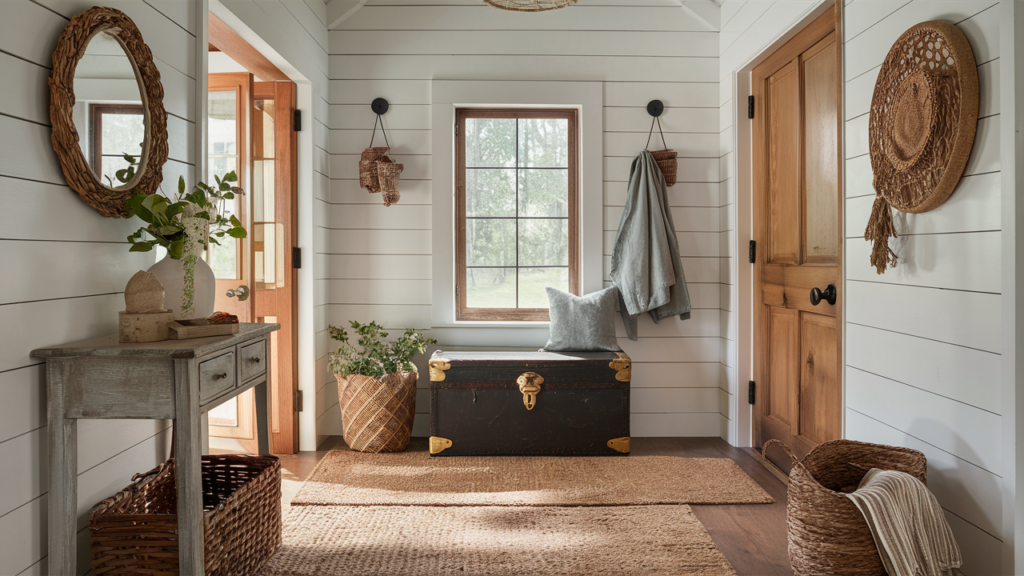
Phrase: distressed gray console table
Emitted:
{"points": [[173, 379]]}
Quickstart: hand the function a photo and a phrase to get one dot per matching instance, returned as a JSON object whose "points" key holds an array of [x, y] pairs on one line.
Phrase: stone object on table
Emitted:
{"points": [[144, 293], [144, 318]]}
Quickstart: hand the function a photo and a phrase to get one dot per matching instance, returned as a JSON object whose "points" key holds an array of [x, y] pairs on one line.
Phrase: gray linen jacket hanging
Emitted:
{"points": [[645, 261]]}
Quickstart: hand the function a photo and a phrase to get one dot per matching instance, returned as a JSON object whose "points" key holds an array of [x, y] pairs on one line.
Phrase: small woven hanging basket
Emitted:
{"points": [[666, 160], [368, 167], [827, 533], [375, 153], [377, 414], [387, 174], [529, 5]]}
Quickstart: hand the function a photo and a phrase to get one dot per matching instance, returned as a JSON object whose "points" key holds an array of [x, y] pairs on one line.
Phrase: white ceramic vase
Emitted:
{"points": [[171, 274]]}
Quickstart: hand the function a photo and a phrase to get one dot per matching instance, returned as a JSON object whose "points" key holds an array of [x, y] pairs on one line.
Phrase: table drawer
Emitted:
{"points": [[254, 359], [216, 376]]}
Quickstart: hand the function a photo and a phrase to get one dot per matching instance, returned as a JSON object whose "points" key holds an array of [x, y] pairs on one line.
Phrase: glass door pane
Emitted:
{"points": [[223, 157]]}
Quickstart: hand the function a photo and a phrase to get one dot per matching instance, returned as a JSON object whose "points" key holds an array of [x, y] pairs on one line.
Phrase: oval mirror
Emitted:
{"points": [[109, 124], [109, 115]]}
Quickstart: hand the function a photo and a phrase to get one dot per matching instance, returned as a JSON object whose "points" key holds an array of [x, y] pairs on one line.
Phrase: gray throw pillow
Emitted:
{"points": [[583, 323]]}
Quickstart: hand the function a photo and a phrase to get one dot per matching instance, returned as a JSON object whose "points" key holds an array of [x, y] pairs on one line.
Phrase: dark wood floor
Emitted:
{"points": [[752, 536]]}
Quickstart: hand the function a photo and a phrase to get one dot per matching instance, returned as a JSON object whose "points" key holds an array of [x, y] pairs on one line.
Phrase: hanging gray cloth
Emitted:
{"points": [[645, 261]]}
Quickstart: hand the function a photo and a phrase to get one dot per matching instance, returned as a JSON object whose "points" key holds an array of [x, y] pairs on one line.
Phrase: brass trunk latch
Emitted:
{"points": [[437, 367], [529, 385]]}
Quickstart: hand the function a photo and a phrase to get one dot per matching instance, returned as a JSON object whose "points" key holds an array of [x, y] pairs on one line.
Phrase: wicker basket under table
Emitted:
{"points": [[136, 530]]}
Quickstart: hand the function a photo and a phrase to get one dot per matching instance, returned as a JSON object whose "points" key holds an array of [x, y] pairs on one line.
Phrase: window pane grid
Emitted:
{"points": [[544, 245]]}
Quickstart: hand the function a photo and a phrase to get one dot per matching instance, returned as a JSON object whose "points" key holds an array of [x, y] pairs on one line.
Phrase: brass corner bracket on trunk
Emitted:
{"points": [[617, 444], [438, 445], [623, 367], [529, 385], [437, 368]]}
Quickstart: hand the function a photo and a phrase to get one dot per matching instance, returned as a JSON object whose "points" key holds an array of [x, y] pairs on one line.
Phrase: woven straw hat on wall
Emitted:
{"points": [[924, 114]]}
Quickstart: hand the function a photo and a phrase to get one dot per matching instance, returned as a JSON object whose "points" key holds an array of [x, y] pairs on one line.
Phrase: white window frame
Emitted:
{"points": [[447, 95]]}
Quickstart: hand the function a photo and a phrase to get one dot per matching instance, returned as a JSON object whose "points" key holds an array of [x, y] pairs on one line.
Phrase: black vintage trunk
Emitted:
{"points": [[477, 405]]}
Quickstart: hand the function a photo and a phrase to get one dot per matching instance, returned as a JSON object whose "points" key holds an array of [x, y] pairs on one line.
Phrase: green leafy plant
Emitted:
{"points": [[184, 224], [374, 357]]}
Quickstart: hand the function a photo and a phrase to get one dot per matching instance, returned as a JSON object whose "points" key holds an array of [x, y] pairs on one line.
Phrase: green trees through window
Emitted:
{"points": [[516, 199]]}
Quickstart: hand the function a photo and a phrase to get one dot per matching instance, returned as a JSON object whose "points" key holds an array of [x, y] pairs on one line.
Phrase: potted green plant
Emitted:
{"points": [[185, 226], [377, 386]]}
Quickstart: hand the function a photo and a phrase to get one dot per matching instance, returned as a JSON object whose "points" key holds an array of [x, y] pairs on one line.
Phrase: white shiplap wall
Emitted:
{"points": [[925, 336], [922, 342], [65, 267], [378, 264]]}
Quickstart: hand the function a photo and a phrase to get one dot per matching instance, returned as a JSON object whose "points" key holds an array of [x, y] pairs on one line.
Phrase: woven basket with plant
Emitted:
{"points": [[377, 386]]}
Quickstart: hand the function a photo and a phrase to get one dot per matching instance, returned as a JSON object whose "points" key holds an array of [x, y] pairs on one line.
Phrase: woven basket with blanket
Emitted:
{"points": [[827, 533]]}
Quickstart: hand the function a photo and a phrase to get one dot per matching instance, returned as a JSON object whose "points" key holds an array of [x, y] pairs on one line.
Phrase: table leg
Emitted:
{"points": [[62, 505], [188, 466], [262, 427]]}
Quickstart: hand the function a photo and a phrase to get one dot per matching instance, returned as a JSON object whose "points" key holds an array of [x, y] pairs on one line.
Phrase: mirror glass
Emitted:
{"points": [[109, 114]]}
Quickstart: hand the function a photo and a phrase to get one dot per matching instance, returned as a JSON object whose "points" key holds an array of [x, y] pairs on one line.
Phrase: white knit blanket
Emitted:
{"points": [[907, 524]]}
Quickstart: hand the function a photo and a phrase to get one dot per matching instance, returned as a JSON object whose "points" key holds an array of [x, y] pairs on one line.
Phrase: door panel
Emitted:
{"points": [[797, 208], [783, 98], [819, 390], [820, 174], [784, 342]]}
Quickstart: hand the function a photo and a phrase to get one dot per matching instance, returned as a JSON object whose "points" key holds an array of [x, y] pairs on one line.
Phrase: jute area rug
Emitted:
{"points": [[351, 478], [434, 540]]}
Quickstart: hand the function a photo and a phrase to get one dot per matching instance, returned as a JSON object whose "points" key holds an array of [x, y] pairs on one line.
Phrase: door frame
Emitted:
{"points": [[227, 38], [739, 352]]}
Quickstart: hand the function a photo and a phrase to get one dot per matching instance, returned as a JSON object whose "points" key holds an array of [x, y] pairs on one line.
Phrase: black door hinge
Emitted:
{"points": [[298, 400], [750, 106], [752, 254], [751, 392], [296, 257], [456, 129], [297, 121]]}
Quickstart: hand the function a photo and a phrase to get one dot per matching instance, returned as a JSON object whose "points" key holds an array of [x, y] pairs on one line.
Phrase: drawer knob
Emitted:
{"points": [[529, 385], [255, 359], [220, 376]]}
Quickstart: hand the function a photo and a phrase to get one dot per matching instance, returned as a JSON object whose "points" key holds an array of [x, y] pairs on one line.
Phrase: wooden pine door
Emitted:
{"points": [[252, 132], [273, 235], [797, 215]]}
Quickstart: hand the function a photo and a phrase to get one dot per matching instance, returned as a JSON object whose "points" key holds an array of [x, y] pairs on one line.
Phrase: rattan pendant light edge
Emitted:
{"points": [[529, 5]]}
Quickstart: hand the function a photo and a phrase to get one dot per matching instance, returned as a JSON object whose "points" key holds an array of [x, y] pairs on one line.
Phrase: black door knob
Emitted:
{"points": [[829, 295]]}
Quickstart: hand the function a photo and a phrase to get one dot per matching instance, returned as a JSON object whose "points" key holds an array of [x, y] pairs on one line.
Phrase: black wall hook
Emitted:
{"points": [[655, 108], [380, 106]]}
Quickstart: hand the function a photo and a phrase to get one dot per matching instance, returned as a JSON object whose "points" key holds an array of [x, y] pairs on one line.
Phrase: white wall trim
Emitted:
{"points": [[446, 96], [741, 433], [1011, 84]]}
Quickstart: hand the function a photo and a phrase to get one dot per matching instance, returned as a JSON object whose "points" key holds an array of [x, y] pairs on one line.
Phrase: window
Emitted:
{"points": [[116, 130], [517, 211]]}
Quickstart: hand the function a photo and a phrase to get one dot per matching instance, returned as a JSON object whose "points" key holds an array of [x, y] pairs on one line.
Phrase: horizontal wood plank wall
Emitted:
{"points": [[378, 262], [297, 31], [922, 347], [748, 29], [65, 266]]}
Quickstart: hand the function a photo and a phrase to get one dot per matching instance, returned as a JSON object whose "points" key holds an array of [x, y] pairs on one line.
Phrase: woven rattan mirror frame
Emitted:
{"points": [[77, 171]]}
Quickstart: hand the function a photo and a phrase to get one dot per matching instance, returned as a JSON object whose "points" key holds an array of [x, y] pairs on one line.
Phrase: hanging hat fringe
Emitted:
{"points": [[880, 229]]}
